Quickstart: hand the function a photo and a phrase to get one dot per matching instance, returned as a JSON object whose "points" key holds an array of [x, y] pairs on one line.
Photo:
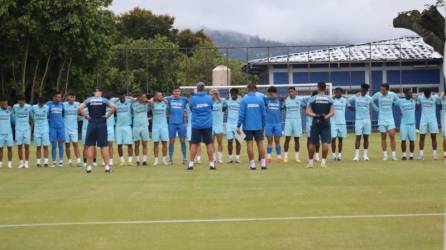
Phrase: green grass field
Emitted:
{"points": [[346, 188]]}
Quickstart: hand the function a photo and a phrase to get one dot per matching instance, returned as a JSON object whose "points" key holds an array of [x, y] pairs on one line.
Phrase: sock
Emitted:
{"points": [[110, 162], [334, 155], [1, 164], [46, 161], [385, 154], [278, 150], [421, 152], [191, 164], [53, 151], [38, 161], [365, 152], [339, 155], [285, 154], [26, 164], [311, 161], [144, 158], [60, 162], [269, 151], [9, 164], [199, 158], [252, 163], [69, 161], [60, 151], [357, 153], [393, 154], [316, 155], [434, 153], [21, 162], [184, 149], [263, 162], [171, 148], [297, 155], [137, 158], [323, 161], [155, 160], [164, 159], [404, 154], [237, 157], [231, 157], [444, 153], [411, 154], [220, 156], [130, 159], [121, 158]]}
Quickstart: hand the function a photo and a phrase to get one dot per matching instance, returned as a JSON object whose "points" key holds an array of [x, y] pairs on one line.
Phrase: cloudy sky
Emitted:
{"points": [[291, 21]]}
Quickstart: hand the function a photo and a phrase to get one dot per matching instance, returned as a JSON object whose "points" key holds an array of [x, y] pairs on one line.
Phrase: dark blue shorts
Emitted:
{"points": [[175, 129], [201, 136], [96, 134], [256, 135], [320, 134], [57, 134]]}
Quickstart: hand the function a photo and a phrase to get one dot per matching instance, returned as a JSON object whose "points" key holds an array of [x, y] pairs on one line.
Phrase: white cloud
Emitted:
{"points": [[297, 21]]}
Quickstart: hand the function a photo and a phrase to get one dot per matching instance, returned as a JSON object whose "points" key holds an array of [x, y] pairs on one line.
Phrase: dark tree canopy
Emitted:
{"points": [[429, 24]]}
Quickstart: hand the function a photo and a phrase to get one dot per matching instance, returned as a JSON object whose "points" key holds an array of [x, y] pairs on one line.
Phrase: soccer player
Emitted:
{"points": [[293, 122], [338, 123], [21, 113], [252, 117], [386, 124], [71, 107], [442, 102], [233, 107], [362, 104], [217, 123], [428, 122], [273, 126], [320, 107], [96, 135], [41, 131], [160, 129], [407, 126], [123, 130], [177, 110], [140, 110], [6, 138], [110, 137], [57, 128], [201, 117], [308, 123]]}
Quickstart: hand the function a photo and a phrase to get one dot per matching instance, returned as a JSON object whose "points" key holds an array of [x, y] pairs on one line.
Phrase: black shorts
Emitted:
{"points": [[320, 134], [96, 134], [201, 136], [256, 135]]}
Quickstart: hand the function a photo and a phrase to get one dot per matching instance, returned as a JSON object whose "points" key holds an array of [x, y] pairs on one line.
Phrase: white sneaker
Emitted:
{"points": [[165, 162], [434, 157], [366, 158], [21, 165], [385, 158], [394, 158], [356, 158], [88, 169], [298, 160], [421, 157], [155, 163]]}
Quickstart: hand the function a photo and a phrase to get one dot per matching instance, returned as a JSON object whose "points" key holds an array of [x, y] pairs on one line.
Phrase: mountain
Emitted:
{"points": [[225, 39]]}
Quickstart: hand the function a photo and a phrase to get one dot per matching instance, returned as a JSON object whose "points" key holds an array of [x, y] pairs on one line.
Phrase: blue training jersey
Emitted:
{"points": [[71, 111], [385, 105], [5, 121], [233, 107], [123, 112], [408, 107], [97, 108], [428, 107], [320, 104], [273, 111], [140, 114], [56, 113], [252, 112], [159, 118], [362, 105], [177, 108], [40, 117], [21, 116], [217, 113], [340, 105]]}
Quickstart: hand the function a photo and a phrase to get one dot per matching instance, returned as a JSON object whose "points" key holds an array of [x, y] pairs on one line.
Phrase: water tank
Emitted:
{"points": [[221, 76]]}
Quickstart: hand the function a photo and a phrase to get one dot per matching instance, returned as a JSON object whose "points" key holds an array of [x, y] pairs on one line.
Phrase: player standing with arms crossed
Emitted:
{"points": [[293, 122], [201, 116], [123, 130], [41, 131], [428, 122], [57, 128], [21, 113], [252, 117], [140, 110], [6, 137], [177, 109], [71, 108], [386, 122], [273, 126], [338, 123], [408, 125], [320, 107], [96, 134], [233, 107]]}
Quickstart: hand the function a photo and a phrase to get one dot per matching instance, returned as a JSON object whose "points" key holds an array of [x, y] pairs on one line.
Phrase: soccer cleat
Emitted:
{"points": [[60, 165], [53, 165], [21, 166], [190, 168], [230, 161], [237, 161], [434, 157], [285, 160], [324, 165], [166, 163], [88, 169], [264, 168], [212, 168], [46, 165], [298, 160], [309, 165], [335, 158], [420, 157], [252, 168], [138, 163], [404, 158], [144, 163], [411, 158], [356, 158], [385, 158], [122, 163], [130, 163], [339, 158], [366, 158], [38, 165], [107, 169], [394, 158]]}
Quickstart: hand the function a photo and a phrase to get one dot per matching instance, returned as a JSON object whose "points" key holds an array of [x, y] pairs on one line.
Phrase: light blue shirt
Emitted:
{"points": [[385, 105], [159, 110], [123, 112], [111, 120], [408, 107], [217, 112], [139, 113], [5, 121], [40, 117], [428, 107], [362, 105], [340, 105], [85, 121], [21, 116], [293, 107], [70, 115], [233, 107]]}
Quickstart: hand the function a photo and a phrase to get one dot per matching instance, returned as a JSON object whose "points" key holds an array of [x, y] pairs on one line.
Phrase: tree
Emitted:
{"points": [[429, 24]]}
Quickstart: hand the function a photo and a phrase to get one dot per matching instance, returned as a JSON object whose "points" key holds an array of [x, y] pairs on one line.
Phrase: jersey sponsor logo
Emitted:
{"points": [[202, 105], [253, 105]]}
